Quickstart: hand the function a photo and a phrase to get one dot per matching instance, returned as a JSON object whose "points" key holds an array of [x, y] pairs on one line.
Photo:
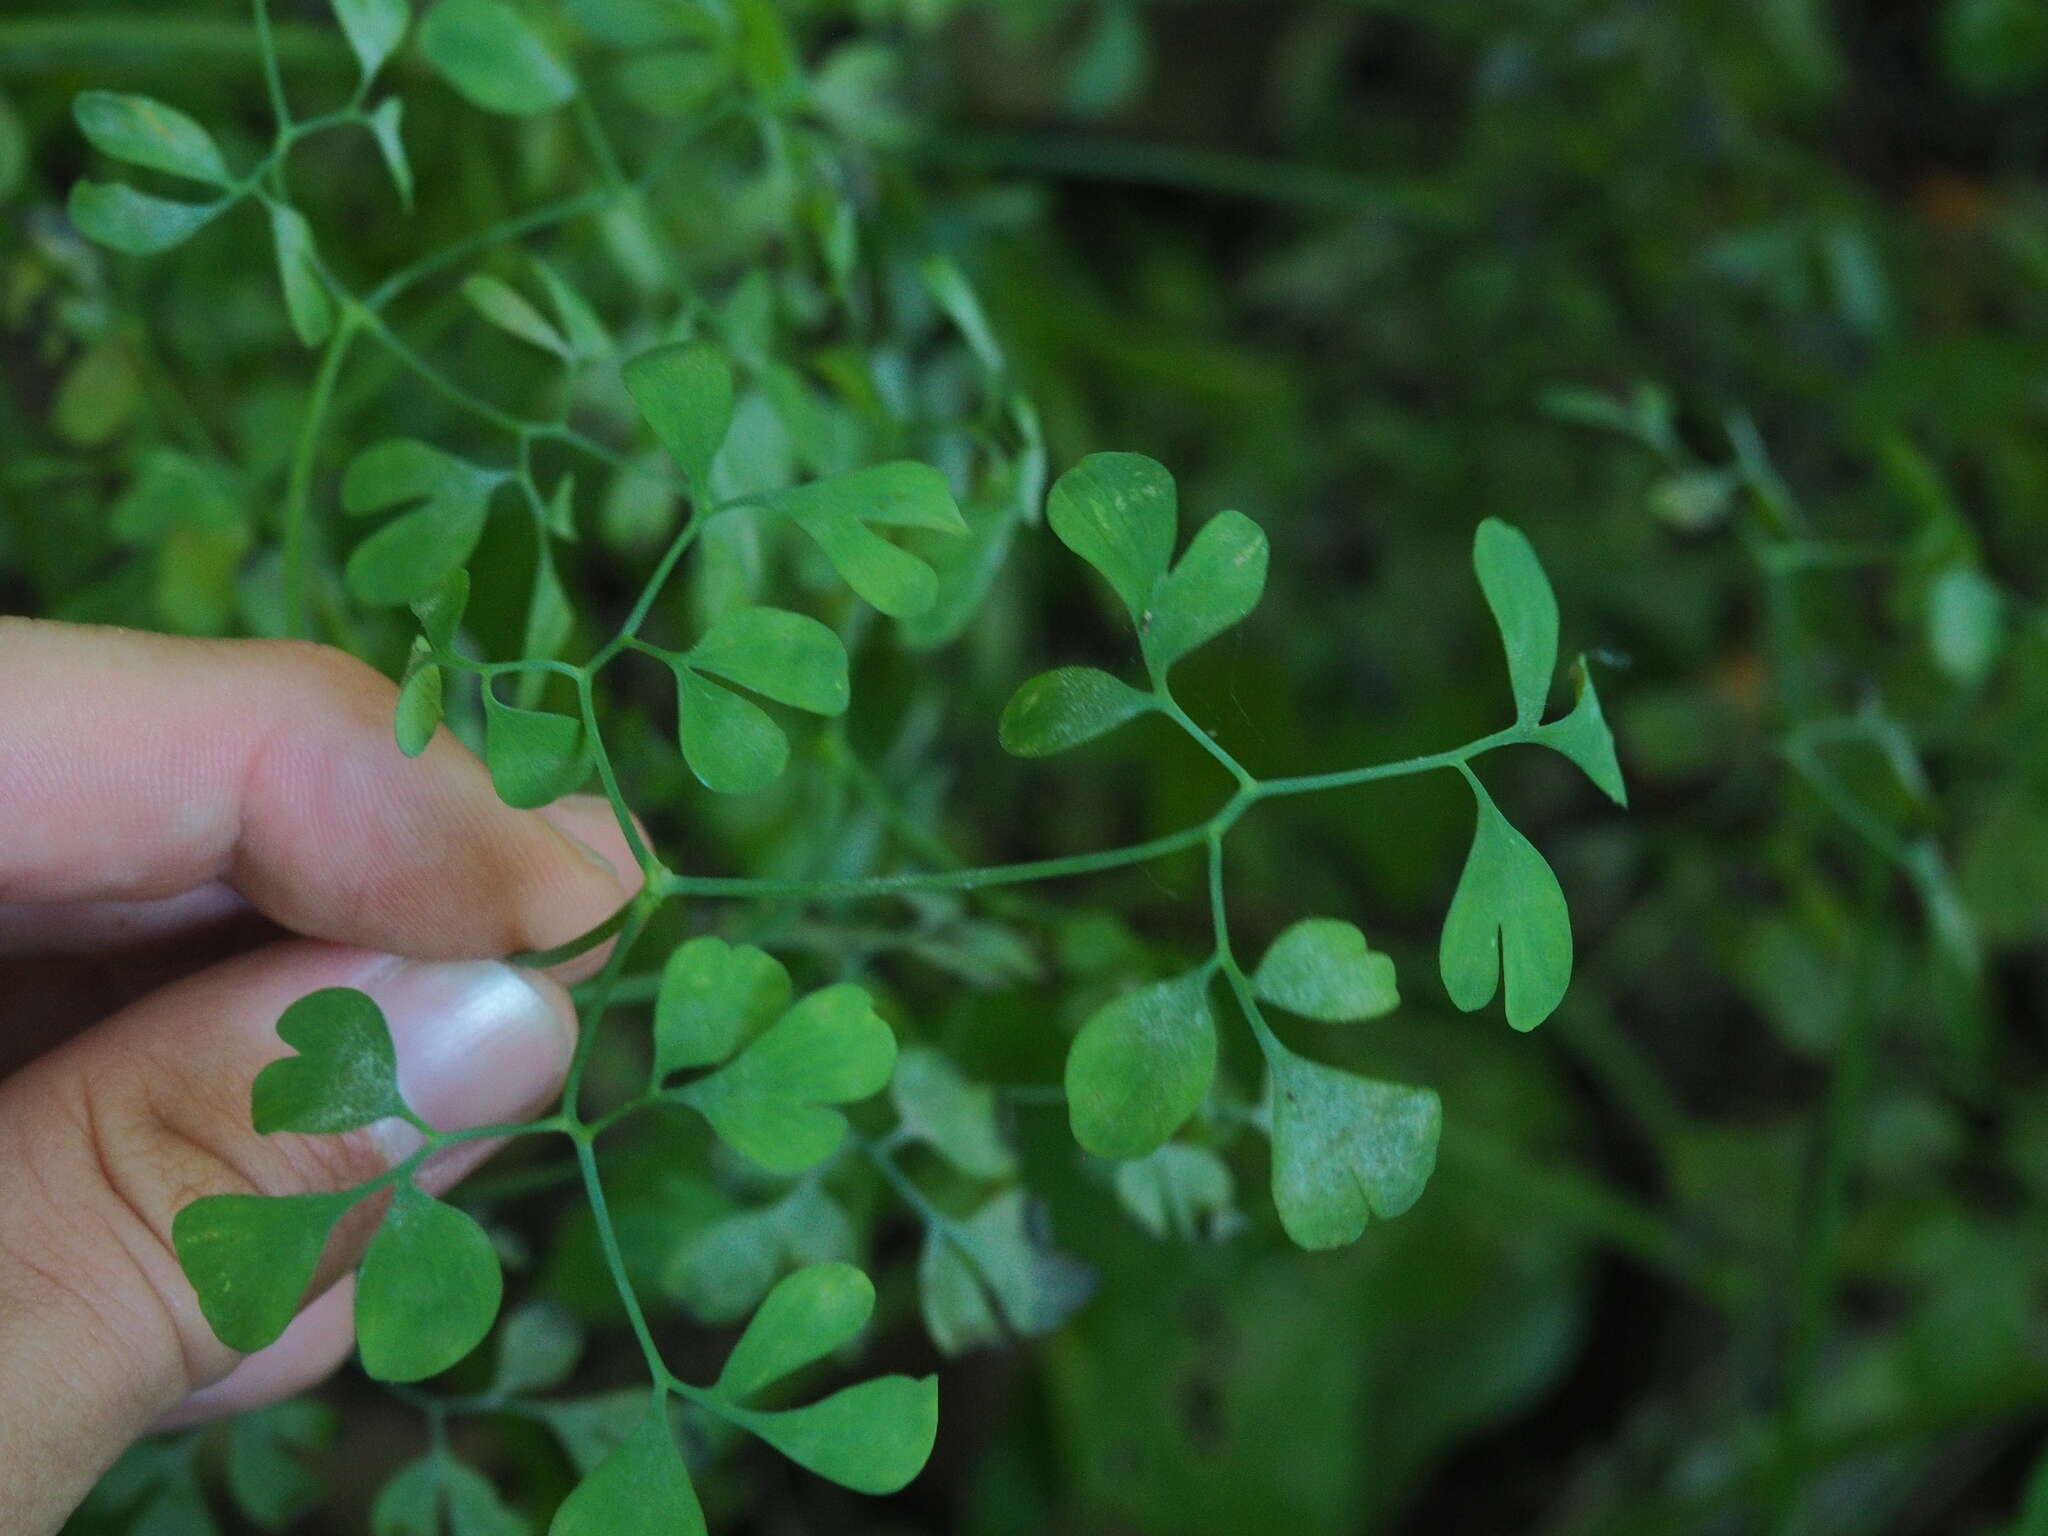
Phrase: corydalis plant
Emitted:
{"points": [[769, 1074]]}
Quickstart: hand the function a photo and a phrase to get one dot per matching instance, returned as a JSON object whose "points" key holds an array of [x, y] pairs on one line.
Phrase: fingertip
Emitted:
{"points": [[592, 827]]}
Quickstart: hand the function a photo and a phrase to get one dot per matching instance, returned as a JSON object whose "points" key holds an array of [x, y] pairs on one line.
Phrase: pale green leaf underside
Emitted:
{"points": [[1178, 1192], [1345, 1148], [730, 743], [374, 28], [305, 295], [957, 1118], [1322, 968]]}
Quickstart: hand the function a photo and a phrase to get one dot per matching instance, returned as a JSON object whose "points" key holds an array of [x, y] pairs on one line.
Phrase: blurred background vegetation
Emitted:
{"points": [[1741, 311]]}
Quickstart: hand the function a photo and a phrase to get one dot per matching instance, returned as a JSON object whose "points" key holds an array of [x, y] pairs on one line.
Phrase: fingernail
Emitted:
{"points": [[479, 1043], [576, 815]]}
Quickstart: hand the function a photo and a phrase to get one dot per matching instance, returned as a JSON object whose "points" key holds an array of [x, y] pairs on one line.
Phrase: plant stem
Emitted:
{"points": [[299, 484]]}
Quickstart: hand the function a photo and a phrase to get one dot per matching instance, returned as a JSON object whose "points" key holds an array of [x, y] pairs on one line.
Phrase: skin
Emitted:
{"points": [[192, 835]]}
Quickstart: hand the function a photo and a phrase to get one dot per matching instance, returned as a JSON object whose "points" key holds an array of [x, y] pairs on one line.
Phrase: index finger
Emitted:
{"points": [[138, 766]]}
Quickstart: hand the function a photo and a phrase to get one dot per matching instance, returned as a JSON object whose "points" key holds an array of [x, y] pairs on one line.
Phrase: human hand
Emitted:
{"points": [[194, 834]]}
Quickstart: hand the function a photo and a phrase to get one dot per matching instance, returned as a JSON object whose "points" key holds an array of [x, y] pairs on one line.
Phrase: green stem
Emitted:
{"points": [[1457, 757], [273, 78], [299, 484], [944, 879], [615, 1261]]}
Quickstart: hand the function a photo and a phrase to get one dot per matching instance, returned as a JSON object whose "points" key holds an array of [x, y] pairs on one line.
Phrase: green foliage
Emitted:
{"points": [[428, 1290], [774, 1101], [1322, 968], [345, 1075], [488, 52], [406, 559], [1141, 1065], [1345, 1148], [1508, 916], [1068, 707], [822, 566], [250, 1259], [640, 1489]]}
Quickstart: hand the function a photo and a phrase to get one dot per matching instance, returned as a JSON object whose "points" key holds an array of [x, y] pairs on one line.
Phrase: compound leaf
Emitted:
{"points": [[305, 296], [1583, 737], [713, 995], [374, 29], [805, 1318], [114, 214], [249, 1259], [729, 742], [488, 52], [1216, 584], [145, 132], [1508, 914], [1345, 1148], [1140, 1066], [345, 1075], [640, 1489], [684, 392], [1066, 707], [936, 1105], [788, 657], [1322, 968], [873, 1437], [1118, 511], [1524, 608], [772, 1102], [428, 1290], [535, 756]]}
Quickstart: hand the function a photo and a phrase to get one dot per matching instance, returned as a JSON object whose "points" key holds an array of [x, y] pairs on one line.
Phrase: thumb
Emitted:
{"points": [[106, 1138]]}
